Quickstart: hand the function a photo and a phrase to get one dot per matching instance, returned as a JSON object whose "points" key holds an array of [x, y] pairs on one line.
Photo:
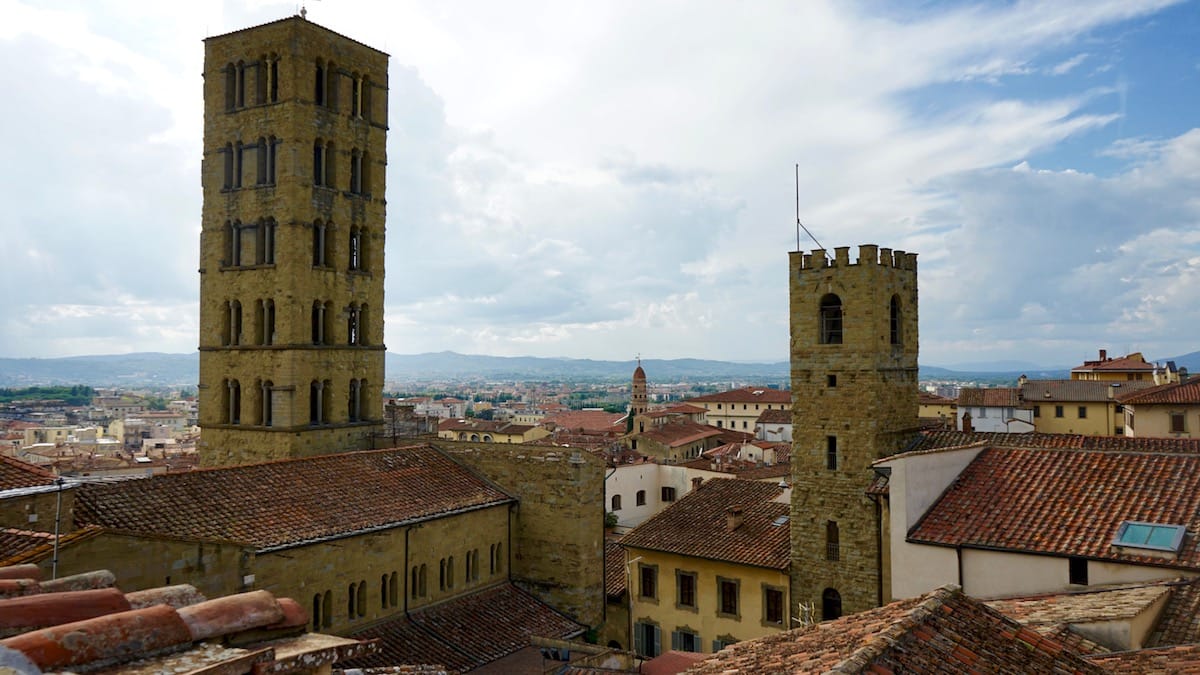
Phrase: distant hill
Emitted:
{"points": [[154, 369]]}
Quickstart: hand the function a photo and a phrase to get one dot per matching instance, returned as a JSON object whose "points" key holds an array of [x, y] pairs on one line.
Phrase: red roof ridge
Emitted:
{"points": [[878, 643]]}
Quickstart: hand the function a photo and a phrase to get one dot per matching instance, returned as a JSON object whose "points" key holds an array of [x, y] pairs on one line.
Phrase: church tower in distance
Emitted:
{"points": [[291, 243], [854, 400], [637, 392]]}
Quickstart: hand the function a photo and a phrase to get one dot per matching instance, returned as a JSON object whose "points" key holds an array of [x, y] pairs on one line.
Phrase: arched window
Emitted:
{"points": [[393, 594], [319, 243], [235, 323], [361, 602], [272, 147], [641, 498], [260, 164], [422, 579], [227, 182], [356, 96], [331, 86], [318, 323], [364, 108], [268, 410], [831, 604], [362, 324], [316, 612], [330, 174], [364, 408], [351, 598], [355, 248], [833, 550], [314, 403], [319, 84], [442, 574], [383, 591], [895, 320], [230, 86], [355, 171], [616, 503], [319, 177], [266, 321], [234, 397], [264, 249], [241, 84], [353, 400], [327, 609], [831, 320], [239, 152], [450, 572]]}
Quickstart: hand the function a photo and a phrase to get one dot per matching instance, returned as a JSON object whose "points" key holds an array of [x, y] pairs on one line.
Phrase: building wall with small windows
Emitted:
{"points": [[700, 605], [1162, 420], [292, 243], [854, 400]]}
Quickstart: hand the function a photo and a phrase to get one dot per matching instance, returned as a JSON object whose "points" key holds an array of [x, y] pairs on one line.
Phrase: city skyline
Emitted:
{"points": [[599, 181]]}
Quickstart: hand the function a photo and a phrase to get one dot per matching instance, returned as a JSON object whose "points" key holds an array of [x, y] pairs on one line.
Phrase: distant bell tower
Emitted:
{"points": [[291, 243], [854, 400], [637, 399]]}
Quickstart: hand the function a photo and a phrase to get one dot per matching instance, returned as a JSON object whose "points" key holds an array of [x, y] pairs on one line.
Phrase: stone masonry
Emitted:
{"points": [[292, 243], [854, 397]]}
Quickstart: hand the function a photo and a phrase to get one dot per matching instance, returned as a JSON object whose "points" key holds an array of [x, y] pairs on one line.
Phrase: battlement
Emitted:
{"points": [[868, 254]]}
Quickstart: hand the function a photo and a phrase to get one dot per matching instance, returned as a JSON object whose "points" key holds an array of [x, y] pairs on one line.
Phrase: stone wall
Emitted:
{"points": [[858, 396], [558, 528]]}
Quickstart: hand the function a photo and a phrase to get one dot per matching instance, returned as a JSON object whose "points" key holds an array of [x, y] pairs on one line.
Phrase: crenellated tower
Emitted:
{"points": [[854, 400], [291, 243]]}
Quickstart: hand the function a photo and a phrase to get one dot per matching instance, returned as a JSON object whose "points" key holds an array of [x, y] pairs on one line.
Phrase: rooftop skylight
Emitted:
{"points": [[1154, 536]]}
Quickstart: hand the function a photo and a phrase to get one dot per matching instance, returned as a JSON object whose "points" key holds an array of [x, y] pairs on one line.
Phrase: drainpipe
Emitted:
{"points": [[958, 553], [57, 520], [878, 550]]}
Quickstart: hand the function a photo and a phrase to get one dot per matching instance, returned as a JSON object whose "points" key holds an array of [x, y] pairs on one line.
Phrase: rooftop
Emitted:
{"points": [[1079, 390], [747, 395], [288, 503], [1175, 393], [996, 397], [697, 525], [679, 433]]}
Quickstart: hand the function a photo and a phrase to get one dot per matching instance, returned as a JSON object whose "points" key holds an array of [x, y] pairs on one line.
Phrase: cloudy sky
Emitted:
{"points": [[603, 179]]}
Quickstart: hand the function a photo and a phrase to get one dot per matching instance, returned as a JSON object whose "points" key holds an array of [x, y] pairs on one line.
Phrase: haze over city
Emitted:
{"points": [[598, 180]]}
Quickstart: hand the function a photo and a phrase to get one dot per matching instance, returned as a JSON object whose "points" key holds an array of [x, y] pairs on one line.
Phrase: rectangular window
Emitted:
{"points": [[1037, 411], [668, 494], [773, 605], [727, 600], [831, 380], [685, 640], [1178, 425], [647, 639], [1077, 571], [1008, 413], [983, 413], [1082, 412], [648, 581], [1058, 411], [831, 458], [685, 583]]}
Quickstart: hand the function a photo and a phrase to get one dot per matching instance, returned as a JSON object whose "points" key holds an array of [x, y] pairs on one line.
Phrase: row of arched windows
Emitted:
{"points": [[327, 83], [322, 246], [261, 154], [233, 328], [324, 167], [472, 568], [261, 77], [830, 315], [260, 402], [356, 601], [261, 405], [249, 243]]}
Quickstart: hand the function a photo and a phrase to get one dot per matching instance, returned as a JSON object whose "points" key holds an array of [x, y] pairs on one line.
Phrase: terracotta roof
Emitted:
{"points": [[23, 546], [1179, 622], [466, 632], [1176, 393], [671, 662], [1078, 390], [937, 439], [927, 398], [286, 503], [1065, 502], [1133, 362], [684, 409], [614, 568], [680, 433], [747, 395], [941, 632], [995, 397], [1094, 604], [17, 474], [639, 374], [696, 525], [775, 417], [1182, 659], [587, 420]]}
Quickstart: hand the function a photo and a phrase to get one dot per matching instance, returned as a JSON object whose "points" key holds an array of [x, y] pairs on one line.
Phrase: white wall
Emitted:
{"points": [[996, 421], [627, 479]]}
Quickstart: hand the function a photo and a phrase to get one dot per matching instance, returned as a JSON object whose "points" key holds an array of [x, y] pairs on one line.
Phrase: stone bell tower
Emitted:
{"points": [[291, 243], [854, 400]]}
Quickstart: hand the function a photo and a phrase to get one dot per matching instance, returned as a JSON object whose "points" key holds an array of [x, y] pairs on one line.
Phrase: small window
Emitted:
{"points": [[685, 641], [833, 547], [1037, 411], [773, 605], [1156, 536], [640, 498], [895, 320], [685, 582], [616, 503], [831, 604], [1178, 423], [648, 581], [831, 381], [727, 592], [668, 494], [831, 458], [831, 320], [1082, 412], [1058, 411], [1077, 571]]}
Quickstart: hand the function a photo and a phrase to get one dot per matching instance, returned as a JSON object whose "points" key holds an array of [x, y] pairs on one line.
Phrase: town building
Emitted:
{"points": [[1087, 407], [854, 400], [487, 431], [1167, 410], [1130, 368], [710, 570], [739, 408], [774, 426], [932, 407], [292, 243], [996, 409]]}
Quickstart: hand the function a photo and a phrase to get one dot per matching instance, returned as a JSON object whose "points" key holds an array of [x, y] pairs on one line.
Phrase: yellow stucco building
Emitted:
{"points": [[710, 570]]}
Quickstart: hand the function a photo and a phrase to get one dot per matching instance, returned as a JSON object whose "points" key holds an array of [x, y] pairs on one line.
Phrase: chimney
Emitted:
{"points": [[696, 482], [966, 423], [733, 518], [1103, 354]]}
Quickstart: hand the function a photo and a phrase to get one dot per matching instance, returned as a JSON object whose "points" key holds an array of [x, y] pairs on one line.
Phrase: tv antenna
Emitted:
{"points": [[800, 225]]}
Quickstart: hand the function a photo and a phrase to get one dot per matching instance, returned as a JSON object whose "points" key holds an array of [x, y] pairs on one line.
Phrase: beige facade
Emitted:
{"points": [[854, 397], [739, 409], [292, 243]]}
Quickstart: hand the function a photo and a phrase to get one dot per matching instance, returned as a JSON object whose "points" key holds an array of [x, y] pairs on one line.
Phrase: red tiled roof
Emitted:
{"points": [[927, 398], [680, 433], [290, 502], [1175, 393], [614, 568], [938, 439], [942, 632], [1179, 622], [466, 632], [775, 417], [684, 409], [696, 525], [1064, 502], [1175, 660], [995, 397], [747, 395], [1134, 362], [23, 546], [17, 474], [1078, 390]]}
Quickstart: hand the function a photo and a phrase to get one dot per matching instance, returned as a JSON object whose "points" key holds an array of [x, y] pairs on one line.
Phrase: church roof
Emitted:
{"points": [[281, 504]]}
